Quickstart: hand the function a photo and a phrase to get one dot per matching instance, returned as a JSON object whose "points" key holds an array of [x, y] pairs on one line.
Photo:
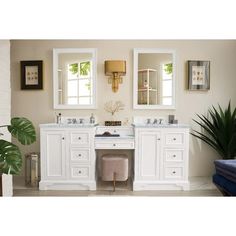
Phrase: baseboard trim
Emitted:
{"points": [[60, 185], [143, 185]]}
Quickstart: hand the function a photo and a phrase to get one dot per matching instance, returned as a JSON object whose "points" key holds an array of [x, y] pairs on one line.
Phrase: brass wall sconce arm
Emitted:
{"points": [[115, 69]]}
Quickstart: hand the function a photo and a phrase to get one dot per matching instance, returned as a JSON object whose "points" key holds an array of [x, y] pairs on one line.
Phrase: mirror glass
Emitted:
{"points": [[74, 78], [154, 79]]}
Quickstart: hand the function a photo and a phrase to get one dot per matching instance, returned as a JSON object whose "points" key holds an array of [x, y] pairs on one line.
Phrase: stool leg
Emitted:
{"points": [[114, 181], [126, 182]]}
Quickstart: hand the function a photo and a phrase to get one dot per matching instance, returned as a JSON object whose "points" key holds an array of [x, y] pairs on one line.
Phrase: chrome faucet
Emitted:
{"points": [[74, 121], [160, 121], [69, 121], [81, 120], [59, 118], [155, 121], [148, 121]]}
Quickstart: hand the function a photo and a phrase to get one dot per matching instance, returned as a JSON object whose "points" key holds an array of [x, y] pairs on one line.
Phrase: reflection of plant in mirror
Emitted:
{"points": [[168, 68], [84, 68], [74, 68], [88, 85]]}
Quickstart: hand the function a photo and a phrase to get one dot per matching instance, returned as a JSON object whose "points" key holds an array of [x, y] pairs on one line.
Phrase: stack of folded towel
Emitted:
{"points": [[225, 177]]}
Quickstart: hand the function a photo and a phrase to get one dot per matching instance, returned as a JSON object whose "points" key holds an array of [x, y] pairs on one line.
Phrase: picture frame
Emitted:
{"points": [[199, 75], [31, 75]]}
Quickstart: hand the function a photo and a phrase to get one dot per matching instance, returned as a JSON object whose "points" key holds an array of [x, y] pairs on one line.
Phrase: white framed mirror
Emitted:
{"points": [[154, 78], [74, 78]]}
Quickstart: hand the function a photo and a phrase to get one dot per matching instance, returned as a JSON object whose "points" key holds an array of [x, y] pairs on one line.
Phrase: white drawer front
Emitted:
{"points": [[116, 130], [114, 145], [174, 155], [80, 138], [108, 129], [174, 139], [80, 155], [80, 172], [173, 172]]}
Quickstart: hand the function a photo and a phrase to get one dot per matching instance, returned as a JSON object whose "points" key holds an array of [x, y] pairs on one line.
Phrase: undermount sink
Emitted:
{"points": [[76, 124], [79, 124], [150, 125], [68, 125], [159, 125]]}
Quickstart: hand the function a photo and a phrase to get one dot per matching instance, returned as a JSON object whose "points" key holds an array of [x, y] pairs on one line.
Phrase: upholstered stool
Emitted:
{"points": [[114, 168]]}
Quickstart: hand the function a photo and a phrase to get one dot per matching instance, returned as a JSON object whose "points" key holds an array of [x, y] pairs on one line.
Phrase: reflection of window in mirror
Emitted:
{"points": [[154, 79], [167, 84], [74, 78], [79, 83]]}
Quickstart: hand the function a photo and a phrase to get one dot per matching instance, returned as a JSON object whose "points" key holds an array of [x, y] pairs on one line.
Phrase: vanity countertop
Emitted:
{"points": [[161, 126], [55, 125]]}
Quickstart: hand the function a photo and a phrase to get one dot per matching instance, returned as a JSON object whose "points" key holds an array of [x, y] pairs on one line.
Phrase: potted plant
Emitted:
{"points": [[10, 156], [219, 130]]}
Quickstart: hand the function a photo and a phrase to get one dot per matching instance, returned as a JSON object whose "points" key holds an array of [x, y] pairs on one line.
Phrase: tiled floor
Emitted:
{"points": [[198, 187], [59, 193]]}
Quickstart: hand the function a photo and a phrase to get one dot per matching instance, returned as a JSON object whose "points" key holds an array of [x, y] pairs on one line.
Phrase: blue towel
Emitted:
{"points": [[226, 168], [227, 174], [229, 165], [227, 185]]}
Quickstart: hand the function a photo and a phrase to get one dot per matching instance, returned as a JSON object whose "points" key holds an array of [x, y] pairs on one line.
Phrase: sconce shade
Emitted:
{"points": [[115, 67]]}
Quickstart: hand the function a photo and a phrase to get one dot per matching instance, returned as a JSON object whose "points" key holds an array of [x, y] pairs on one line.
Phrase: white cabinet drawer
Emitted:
{"points": [[174, 155], [80, 172], [108, 129], [171, 172], [121, 130], [80, 155], [116, 144], [174, 138], [80, 138]]}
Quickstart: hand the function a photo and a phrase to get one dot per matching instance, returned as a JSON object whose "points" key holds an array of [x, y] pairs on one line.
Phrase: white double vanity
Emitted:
{"points": [[69, 155], [70, 151]]}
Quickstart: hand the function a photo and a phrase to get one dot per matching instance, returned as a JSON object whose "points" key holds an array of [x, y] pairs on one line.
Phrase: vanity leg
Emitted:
{"points": [[114, 181]]}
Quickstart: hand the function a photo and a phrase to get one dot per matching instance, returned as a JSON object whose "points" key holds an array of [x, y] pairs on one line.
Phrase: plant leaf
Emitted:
{"points": [[219, 131], [10, 158], [22, 129], [204, 138]]}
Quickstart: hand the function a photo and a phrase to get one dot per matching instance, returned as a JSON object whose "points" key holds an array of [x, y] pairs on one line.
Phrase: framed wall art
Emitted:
{"points": [[31, 74], [198, 75]]}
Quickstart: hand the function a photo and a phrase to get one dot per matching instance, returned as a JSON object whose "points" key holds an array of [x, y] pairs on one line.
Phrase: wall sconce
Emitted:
{"points": [[115, 69]]}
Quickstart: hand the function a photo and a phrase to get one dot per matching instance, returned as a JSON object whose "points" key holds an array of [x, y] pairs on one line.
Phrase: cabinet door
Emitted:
{"points": [[53, 155], [149, 155]]}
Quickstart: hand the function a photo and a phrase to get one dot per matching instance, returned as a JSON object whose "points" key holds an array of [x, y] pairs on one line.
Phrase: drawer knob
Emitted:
{"points": [[63, 138], [174, 155], [114, 144], [174, 139], [173, 172], [158, 139], [79, 171], [79, 138], [79, 155], [114, 131]]}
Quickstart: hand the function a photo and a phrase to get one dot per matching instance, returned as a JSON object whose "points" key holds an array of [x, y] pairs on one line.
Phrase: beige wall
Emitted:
{"points": [[38, 105]]}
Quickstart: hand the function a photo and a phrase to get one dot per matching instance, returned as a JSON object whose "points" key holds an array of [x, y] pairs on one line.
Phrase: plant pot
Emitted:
{"points": [[6, 188], [0, 185]]}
